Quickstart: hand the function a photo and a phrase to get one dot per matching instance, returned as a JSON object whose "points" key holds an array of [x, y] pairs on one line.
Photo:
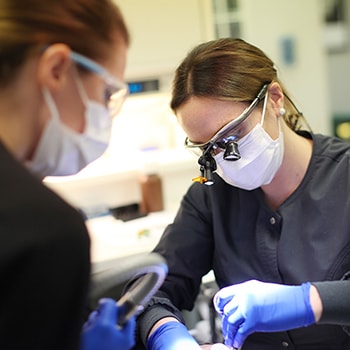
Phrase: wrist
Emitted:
{"points": [[171, 335], [316, 303], [160, 323]]}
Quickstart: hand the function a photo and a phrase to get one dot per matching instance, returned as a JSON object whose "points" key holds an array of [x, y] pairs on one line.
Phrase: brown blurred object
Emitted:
{"points": [[152, 193]]}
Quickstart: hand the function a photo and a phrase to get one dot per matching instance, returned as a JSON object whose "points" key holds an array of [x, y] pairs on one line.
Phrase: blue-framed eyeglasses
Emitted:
{"points": [[224, 139], [116, 91]]}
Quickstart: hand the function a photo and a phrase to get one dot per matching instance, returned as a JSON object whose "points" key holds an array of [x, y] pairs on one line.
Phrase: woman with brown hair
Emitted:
{"points": [[61, 71], [269, 213]]}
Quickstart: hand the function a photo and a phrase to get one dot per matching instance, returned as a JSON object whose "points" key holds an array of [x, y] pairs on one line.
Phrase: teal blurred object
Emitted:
{"points": [[341, 126]]}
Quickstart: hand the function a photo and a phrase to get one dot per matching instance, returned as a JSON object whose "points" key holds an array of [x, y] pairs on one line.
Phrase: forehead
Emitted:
{"points": [[116, 60], [201, 117]]}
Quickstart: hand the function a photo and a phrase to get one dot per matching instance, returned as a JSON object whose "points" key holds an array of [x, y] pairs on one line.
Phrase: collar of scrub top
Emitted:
{"points": [[117, 90], [206, 160]]}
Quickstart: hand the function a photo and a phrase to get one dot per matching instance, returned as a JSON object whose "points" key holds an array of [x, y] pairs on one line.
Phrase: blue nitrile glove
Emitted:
{"points": [[171, 336], [100, 332], [256, 306]]}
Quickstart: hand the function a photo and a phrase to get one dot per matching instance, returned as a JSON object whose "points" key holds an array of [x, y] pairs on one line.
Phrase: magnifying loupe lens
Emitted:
{"points": [[231, 151]]}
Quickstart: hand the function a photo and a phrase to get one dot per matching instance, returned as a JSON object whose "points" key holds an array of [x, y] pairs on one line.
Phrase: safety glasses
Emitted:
{"points": [[116, 90], [225, 139]]}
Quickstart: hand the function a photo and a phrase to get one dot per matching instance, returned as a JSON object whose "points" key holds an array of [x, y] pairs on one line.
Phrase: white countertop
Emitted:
{"points": [[108, 183], [111, 238]]}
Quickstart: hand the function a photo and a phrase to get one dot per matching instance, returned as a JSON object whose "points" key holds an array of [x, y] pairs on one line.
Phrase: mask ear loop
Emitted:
{"points": [[51, 104], [55, 115], [282, 112], [264, 108], [82, 93], [81, 90]]}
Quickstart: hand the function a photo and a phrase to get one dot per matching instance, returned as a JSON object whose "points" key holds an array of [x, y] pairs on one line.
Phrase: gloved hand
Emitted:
{"points": [[100, 332], [171, 336], [256, 306]]}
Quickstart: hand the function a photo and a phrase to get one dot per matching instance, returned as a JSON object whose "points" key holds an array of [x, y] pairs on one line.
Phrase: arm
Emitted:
{"points": [[186, 245], [255, 306], [179, 333], [316, 303], [334, 297], [45, 274], [170, 334], [158, 311]]}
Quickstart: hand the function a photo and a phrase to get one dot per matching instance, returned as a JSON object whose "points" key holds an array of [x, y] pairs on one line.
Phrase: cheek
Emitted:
{"points": [[71, 110], [74, 118], [99, 94], [95, 88], [246, 127]]}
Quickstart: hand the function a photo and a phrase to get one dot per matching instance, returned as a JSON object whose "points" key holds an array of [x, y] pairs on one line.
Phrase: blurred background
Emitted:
{"points": [[308, 40]]}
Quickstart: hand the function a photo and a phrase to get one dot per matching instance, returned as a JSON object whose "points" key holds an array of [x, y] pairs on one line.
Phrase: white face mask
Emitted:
{"points": [[62, 151], [261, 157]]}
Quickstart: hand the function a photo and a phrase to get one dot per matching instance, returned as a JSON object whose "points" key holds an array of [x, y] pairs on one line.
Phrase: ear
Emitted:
{"points": [[276, 95], [53, 66]]}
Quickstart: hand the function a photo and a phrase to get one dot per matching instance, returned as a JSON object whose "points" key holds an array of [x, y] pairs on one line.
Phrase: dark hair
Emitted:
{"points": [[87, 26], [228, 69]]}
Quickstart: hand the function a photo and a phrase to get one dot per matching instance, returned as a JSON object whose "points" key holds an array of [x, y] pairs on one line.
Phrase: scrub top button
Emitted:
{"points": [[272, 220], [285, 344]]}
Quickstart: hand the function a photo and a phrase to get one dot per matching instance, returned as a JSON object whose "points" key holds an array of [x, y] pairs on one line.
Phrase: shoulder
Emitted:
{"points": [[331, 147], [30, 210], [329, 169]]}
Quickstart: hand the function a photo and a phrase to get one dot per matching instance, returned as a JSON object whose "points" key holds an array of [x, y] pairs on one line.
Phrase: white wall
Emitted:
{"points": [[267, 23], [162, 31]]}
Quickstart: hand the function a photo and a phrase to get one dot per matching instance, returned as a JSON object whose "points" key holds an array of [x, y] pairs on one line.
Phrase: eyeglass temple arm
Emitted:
{"points": [[233, 124]]}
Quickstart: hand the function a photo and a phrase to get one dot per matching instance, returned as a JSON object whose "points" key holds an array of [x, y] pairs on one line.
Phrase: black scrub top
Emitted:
{"points": [[237, 235], [44, 263]]}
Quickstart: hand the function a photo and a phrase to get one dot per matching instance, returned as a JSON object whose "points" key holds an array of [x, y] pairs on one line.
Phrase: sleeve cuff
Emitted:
{"points": [[157, 309]]}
